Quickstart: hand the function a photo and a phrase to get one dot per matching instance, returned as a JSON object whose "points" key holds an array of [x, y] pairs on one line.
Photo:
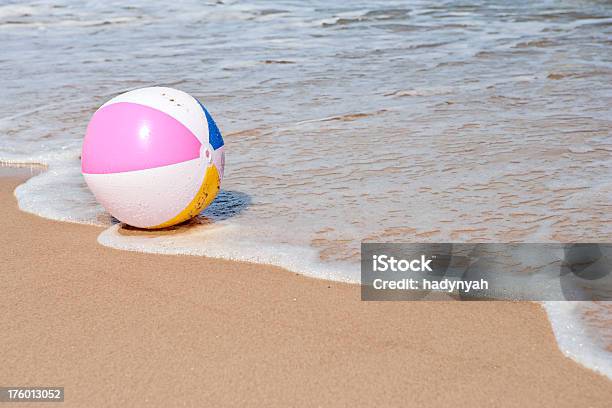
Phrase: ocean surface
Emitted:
{"points": [[374, 121]]}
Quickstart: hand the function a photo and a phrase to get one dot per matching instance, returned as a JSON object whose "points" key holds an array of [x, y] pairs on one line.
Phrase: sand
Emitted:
{"points": [[128, 329]]}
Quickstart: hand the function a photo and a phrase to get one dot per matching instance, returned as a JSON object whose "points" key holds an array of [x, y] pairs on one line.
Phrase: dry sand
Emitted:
{"points": [[129, 329]]}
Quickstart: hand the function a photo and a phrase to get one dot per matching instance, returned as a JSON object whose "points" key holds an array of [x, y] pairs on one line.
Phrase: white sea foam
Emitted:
{"points": [[579, 340], [71, 202], [226, 241]]}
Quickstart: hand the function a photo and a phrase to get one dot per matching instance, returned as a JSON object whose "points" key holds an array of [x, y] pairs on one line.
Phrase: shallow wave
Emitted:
{"points": [[584, 332]]}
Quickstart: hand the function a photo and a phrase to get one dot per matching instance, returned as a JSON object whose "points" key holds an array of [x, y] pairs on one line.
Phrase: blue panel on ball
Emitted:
{"points": [[214, 136]]}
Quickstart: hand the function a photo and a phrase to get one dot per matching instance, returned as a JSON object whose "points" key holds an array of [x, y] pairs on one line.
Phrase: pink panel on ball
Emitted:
{"points": [[127, 136]]}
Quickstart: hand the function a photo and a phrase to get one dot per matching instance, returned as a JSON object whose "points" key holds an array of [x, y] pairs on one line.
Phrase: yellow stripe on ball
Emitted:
{"points": [[207, 193]]}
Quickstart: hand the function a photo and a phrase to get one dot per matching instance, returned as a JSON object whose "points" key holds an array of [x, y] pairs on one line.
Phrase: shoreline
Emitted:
{"points": [[125, 328]]}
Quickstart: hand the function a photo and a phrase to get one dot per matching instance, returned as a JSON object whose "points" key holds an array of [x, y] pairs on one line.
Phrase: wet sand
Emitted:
{"points": [[119, 328]]}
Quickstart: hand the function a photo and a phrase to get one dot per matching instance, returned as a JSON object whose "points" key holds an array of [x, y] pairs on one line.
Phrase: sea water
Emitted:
{"points": [[374, 121]]}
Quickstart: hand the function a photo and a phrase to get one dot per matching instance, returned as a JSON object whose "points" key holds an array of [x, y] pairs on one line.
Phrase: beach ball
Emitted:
{"points": [[153, 157]]}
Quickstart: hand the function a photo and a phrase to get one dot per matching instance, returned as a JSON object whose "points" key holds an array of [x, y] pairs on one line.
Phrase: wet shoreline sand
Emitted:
{"points": [[120, 328]]}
